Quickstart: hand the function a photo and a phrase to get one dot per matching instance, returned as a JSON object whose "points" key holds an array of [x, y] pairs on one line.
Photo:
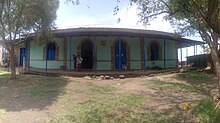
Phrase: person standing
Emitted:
{"points": [[79, 62], [74, 61]]}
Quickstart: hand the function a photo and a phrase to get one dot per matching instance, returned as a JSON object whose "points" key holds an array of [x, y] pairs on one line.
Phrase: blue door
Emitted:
{"points": [[22, 54], [120, 55]]}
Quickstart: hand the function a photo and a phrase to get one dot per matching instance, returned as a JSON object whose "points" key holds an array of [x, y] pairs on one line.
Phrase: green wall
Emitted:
{"points": [[36, 55], [170, 53], [104, 52], [104, 46], [135, 52]]}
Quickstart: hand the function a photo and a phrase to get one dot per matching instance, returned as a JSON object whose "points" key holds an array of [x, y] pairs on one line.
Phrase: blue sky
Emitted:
{"points": [[100, 13]]}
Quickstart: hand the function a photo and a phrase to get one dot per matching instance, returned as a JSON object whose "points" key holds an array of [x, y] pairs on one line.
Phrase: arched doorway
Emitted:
{"points": [[120, 54], [154, 51], [87, 55]]}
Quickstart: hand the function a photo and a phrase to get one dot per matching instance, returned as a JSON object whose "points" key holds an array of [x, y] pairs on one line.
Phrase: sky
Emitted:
{"points": [[100, 13]]}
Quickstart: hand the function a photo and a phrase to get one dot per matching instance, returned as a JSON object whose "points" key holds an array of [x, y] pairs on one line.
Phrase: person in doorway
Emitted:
{"points": [[74, 61], [79, 62]]}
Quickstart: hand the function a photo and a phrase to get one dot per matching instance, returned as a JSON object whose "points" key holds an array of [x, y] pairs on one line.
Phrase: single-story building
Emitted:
{"points": [[105, 49], [201, 60]]}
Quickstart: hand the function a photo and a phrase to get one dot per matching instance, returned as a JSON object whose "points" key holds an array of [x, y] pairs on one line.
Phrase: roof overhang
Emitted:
{"points": [[183, 42], [71, 32]]}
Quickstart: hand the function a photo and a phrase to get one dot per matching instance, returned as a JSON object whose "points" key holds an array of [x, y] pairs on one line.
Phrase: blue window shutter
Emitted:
{"points": [[51, 51]]}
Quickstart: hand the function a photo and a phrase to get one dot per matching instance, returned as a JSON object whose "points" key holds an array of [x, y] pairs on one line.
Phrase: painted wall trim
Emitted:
{"points": [[164, 54], [70, 51], [94, 54], [145, 63]]}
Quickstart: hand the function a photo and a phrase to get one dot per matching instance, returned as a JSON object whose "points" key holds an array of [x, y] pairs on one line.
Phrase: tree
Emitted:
{"points": [[205, 49], [189, 17], [23, 17]]}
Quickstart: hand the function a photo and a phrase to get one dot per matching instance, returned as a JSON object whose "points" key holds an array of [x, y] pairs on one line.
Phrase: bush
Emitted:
{"points": [[205, 112]]}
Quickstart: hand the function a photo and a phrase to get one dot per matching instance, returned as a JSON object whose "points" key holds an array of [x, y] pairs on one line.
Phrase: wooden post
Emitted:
{"points": [[94, 54], [145, 63], [70, 51], [164, 54]]}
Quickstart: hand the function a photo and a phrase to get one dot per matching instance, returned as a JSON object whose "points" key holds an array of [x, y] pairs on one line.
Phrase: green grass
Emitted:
{"points": [[115, 109], [110, 108], [104, 109], [4, 74], [94, 89], [2, 112], [205, 112], [106, 103], [44, 89], [172, 86], [194, 75], [43, 94]]}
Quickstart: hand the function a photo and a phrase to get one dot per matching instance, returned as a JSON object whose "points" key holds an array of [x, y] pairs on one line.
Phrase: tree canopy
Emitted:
{"points": [[22, 17], [189, 17]]}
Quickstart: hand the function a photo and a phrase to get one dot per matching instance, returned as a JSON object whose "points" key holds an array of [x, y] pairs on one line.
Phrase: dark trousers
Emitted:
{"points": [[78, 67], [75, 65]]}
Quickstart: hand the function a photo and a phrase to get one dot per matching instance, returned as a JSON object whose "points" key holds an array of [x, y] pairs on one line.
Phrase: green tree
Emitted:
{"points": [[23, 17], [188, 17]]}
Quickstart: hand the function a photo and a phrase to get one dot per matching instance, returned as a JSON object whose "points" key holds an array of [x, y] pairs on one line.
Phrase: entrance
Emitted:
{"points": [[120, 55], [87, 55], [22, 54]]}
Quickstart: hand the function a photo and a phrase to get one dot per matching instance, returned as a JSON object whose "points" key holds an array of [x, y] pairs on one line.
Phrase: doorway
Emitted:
{"points": [[120, 55], [22, 54], [87, 55]]}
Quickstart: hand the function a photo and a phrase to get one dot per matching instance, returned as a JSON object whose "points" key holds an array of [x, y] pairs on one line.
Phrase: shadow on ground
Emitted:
{"points": [[30, 92], [206, 84], [169, 93]]}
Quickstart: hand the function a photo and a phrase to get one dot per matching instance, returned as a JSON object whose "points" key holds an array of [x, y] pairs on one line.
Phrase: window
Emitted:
{"points": [[154, 49], [51, 51]]}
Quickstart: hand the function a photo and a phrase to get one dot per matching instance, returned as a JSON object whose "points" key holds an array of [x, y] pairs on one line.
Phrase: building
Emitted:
{"points": [[105, 49], [200, 61]]}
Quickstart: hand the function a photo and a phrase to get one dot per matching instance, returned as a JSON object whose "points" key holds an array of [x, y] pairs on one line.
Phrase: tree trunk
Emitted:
{"points": [[12, 62], [216, 64]]}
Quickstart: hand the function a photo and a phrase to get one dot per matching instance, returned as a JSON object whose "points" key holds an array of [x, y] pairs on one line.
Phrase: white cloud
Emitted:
{"points": [[76, 22], [128, 15]]}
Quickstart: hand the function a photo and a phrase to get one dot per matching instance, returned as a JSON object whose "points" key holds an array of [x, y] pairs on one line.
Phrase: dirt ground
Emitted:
{"points": [[20, 103]]}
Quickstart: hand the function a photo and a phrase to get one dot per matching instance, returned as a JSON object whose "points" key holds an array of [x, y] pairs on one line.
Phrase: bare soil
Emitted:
{"points": [[18, 106]]}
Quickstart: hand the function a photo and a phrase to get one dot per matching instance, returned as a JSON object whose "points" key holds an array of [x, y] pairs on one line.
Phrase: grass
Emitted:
{"points": [[181, 86], [123, 108], [115, 108], [94, 89], [205, 112], [172, 86], [107, 104], [194, 75], [2, 112], [4, 74], [110, 103], [42, 94], [45, 89]]}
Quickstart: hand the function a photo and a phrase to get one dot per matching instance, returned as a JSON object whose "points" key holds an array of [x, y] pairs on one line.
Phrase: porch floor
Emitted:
{"points": [[82, 73]]}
